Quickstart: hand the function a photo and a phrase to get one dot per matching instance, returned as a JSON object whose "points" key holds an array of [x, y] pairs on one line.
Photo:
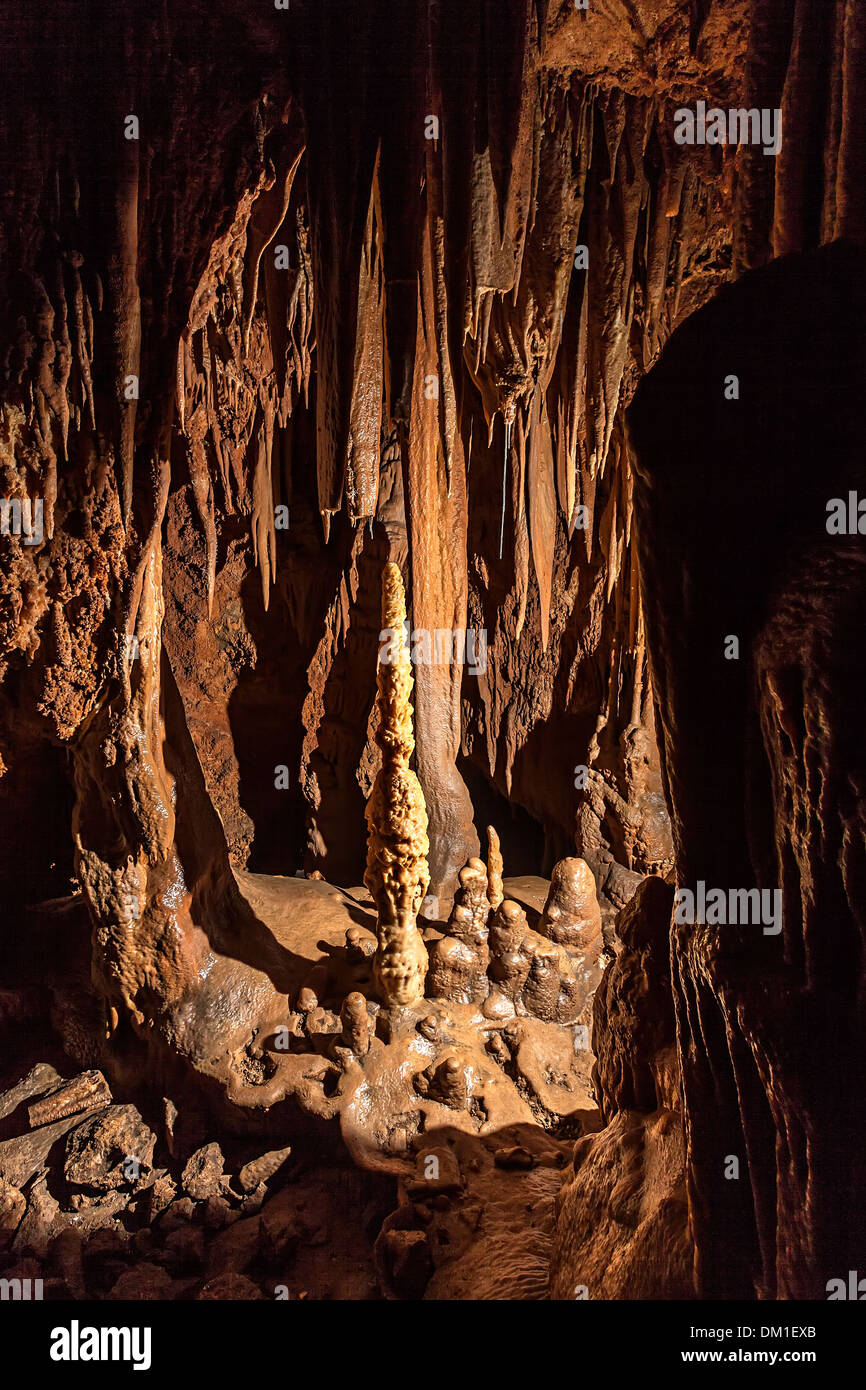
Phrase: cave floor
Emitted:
{"points": [[427, 1166]]}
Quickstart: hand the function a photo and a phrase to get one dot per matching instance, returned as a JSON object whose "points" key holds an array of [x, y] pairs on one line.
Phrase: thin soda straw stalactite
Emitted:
{"points": [[508, 428]]}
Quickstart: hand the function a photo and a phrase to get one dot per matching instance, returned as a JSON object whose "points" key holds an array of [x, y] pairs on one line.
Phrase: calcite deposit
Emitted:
{"points": [[431, 488], [571, 914], [397, 875]]}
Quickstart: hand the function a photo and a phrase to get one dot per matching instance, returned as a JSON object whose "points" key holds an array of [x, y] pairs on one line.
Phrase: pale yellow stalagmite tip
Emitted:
{"points": [[397, 874], [495, 890], [393, 597]]}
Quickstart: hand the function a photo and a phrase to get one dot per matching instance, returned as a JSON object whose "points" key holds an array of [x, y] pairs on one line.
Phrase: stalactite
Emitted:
{"points": [[56, 387], [264, 537], [448, 422], [542, 508], [850, 219], [269, 210], [439, 593], [521, 542], [180, 382], [365, 411], [203, 493], [125, 300], [509, 424], [83, 350]]}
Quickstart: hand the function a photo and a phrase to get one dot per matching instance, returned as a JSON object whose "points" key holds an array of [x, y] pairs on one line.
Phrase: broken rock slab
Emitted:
{"points": [[262, 1169], [88, 1091], [38, 1080], [25, 1155], [89, 1212], [111, 1150], [13, 1204], [204, 1175], [42, 1221]]}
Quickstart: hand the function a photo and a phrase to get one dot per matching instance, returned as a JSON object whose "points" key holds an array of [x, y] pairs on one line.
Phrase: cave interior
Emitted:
{"points": [[432, 757]]}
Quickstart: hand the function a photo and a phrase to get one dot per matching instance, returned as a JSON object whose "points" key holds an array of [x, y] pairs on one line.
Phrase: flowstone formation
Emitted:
{"points": [[397, 874], [623, 1228]]}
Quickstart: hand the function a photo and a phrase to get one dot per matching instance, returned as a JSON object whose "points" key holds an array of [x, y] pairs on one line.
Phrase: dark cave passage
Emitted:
{"points": [[521, 835]]}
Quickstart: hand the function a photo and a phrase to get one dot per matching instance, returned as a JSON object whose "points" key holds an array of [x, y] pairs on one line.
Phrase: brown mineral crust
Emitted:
{"points": [[622, 1216], [622, 1226]]}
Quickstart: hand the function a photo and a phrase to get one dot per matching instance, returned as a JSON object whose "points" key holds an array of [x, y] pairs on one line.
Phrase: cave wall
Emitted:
{"points": [[761, 755], [103, 248], [156, 260], [504, 329], [763, 758]]}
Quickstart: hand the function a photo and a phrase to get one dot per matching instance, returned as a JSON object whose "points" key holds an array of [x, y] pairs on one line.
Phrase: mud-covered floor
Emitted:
{"points": [[404, 1176]]}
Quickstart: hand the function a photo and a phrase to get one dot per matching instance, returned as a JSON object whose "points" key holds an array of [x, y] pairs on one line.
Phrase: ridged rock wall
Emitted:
{"points": [[497, 380], [495, 367], [764, 760]]}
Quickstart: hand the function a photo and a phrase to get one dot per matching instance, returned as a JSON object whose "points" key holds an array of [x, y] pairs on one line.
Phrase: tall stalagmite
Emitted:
{"points": [[397, 873]]}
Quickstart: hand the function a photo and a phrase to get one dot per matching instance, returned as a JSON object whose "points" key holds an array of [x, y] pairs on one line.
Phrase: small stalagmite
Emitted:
{"points": [[397, 874], [495, 866], [572, 916], [458, 962], [356, 1023]]}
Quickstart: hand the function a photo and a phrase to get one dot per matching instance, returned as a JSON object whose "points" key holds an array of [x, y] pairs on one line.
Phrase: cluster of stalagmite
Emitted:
{"points": [[520, 970], [458, 963], [530, 974], [397, 874], [491, 956]]}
